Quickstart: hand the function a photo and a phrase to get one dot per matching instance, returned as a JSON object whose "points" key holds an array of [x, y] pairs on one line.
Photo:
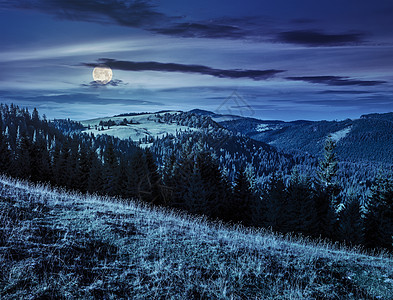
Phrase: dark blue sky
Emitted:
{"points": [[285, 59]]}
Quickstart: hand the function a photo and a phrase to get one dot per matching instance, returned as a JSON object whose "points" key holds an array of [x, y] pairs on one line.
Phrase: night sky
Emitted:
{"points": [[284, 59]]}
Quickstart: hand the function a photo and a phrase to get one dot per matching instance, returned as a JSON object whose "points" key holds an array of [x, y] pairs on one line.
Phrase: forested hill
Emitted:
{"points": [[169, 133], [237, 142], [368, 139], [209, 170]]}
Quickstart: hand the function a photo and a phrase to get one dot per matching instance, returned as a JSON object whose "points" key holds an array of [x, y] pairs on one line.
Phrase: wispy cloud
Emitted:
{"points": [[113, 82], [174, 67], [369, 102], [337, 80], [203, 30], [136, 13], [317, 38], [88, 48], [344, 92], [145, 15]]}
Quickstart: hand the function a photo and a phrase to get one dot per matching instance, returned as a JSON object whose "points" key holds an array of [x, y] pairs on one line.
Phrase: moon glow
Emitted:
{"points": [[102, 74]]}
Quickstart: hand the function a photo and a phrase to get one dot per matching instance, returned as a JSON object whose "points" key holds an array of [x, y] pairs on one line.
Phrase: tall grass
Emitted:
{"points": [[64, 245]]}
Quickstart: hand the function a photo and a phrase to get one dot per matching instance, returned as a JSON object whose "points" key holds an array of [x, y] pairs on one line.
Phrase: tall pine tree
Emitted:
{"points": [[351, 221], [5, 153], [327, 191], [154, 184], [111, 171], [301, 207], [242, 200], [275, 203], [378, 224]]}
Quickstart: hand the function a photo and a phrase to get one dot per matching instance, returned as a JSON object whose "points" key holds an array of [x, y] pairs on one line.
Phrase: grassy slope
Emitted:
{"points": [[63, 245], [147, 127]]}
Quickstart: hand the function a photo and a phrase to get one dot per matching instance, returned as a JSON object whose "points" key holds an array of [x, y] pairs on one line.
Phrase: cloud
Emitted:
{"points": [[145, 15], [316, 38], [336, 80], [344, 92], [173, 67], [224, 27], [367, 102], [200, 30], [82, 98], [113, 82], [136, 13]]}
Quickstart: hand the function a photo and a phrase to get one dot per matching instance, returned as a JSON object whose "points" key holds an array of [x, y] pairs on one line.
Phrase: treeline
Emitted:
{"points": [[37, 150], [123, 122], [315, 206], [236, 151], [193, 179]]}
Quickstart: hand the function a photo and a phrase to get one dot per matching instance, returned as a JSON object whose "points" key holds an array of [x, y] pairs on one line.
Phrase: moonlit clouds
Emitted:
{"points": [[287, 61]]}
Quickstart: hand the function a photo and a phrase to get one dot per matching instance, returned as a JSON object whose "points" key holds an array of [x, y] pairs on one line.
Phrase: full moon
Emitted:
{"points": [[102, 74]]}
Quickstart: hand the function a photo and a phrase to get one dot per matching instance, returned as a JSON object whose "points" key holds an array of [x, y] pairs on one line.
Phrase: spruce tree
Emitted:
{"points": [[65, 170], [378, 224], [85, 157], [167, 174], [96, 178], [274, 196], [241, 200], [194, 193], [328, 166], [301, 207], [137, 181], [124, 174], [327, 191], [182, 170], [351, 222], [111, 171], [5, 154], [56, 162], [154, 183], [216, 188], [35, 118], [22, 163]]}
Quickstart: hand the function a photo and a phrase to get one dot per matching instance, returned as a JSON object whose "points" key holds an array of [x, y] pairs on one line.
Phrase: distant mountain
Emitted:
{"points": [[202, 112], [266, 145], [368, 139], [385, 116], [166, 132]]}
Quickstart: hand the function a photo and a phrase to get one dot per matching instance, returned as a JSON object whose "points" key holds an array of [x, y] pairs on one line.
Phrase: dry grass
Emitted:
{"points": [[55, 244]]}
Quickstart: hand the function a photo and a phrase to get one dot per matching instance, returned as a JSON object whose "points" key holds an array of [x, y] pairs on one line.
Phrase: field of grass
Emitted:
{"points": [[60, 245], [147, 126]]}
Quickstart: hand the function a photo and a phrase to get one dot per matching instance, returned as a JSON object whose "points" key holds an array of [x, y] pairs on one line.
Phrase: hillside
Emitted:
{"points": [[56, 244], [367, 139], [166, 133], [138, 127], [363, 145]]}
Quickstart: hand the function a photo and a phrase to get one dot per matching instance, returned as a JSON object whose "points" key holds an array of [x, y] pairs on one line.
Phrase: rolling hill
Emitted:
{"points": [[60, 245], [364, 146], [138, 127], [364, 140], [367, 139]]}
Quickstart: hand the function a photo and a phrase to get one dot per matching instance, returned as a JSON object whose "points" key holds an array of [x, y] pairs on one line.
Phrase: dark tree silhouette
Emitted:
{"points": [[276, 212], [327, 191], [379, 217], [302, 216]]}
